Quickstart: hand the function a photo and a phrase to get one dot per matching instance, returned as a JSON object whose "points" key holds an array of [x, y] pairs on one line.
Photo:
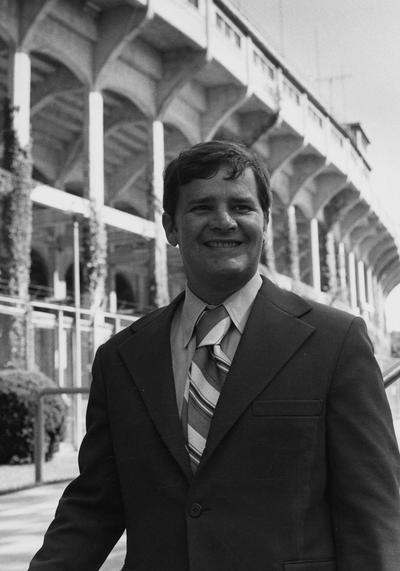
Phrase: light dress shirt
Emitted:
{"points": [[183, 342]]}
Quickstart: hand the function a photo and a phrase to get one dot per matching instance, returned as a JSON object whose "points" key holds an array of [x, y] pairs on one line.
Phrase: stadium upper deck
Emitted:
{"points": [[107, 91]]}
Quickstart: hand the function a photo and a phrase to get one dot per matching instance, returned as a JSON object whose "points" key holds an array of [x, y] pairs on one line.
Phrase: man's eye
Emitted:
{"points": [[242, 208], [200, 208]]}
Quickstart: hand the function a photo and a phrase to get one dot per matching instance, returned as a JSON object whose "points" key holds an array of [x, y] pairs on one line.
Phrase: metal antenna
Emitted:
{"points": [[330, 79], [317, 57], [282, 28]]}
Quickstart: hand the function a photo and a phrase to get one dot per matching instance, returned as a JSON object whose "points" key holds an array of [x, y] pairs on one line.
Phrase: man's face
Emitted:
{"points": [[219, 226]]}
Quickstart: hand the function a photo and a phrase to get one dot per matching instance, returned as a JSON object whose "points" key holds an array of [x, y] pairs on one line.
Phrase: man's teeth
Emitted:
{"points": [[222, 244]]}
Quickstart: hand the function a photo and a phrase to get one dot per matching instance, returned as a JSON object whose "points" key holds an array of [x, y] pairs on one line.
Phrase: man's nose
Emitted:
{"points": [[222, 219]]}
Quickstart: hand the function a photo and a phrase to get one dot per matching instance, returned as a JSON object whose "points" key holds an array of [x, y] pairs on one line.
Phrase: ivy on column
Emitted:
{"points": [[17, 234]]}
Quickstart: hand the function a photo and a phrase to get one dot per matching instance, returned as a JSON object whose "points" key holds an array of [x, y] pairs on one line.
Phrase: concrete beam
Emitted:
{"points": [[369, 242], [392, 280], [256, 124], [66, 202], [222, 101], [44, 159], [379, 250], [283, 149], [64, 43], [61, 81], [186, 119], [126, 174], [180, 66], [66, 164], [32, 14], [305, 167], [360, 233], [388, 274], [327, 186], [117, 26], [9, 24], [119, 116], [352, 218], [132, 83], [389, 258]]}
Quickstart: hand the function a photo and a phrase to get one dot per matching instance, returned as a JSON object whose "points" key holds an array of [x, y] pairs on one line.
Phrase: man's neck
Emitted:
{"points": [[217, 295]]}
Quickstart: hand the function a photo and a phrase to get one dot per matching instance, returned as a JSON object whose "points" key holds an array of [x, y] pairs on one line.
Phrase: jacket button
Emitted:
{"points": [[195, 510]]}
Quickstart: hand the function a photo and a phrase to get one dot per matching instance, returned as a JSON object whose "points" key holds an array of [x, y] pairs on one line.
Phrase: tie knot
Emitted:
{"points": [[212, 326]]}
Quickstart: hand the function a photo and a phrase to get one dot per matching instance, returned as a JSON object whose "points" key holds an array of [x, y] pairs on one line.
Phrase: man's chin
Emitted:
{"points": [[229, 273]]}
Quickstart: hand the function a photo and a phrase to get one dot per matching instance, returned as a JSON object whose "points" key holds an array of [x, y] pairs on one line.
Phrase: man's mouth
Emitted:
{"points": [[222, 243]]}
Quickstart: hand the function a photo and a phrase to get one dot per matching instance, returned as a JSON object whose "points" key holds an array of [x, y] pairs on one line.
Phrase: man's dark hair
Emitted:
{"points": [[204, 161]]}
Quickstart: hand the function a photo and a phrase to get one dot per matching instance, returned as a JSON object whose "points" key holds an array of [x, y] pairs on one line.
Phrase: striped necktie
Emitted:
{"points": [[206, 376]]}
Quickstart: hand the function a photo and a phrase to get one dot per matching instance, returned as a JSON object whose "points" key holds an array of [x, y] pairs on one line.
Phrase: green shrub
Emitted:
{"points": [[18, 392]]}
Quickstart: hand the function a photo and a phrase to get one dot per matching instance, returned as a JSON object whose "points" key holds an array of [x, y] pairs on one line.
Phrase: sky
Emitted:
{"points": [[348, 53]]}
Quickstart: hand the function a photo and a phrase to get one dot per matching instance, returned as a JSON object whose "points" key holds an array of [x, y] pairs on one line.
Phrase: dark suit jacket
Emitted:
{"points": [[300, 471]]}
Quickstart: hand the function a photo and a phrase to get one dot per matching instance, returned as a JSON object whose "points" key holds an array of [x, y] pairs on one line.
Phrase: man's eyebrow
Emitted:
{"points": [[242, 199], [200, 200]]}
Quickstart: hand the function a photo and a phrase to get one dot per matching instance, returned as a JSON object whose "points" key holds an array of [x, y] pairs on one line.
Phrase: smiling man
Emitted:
{"points": [[240, 428], [219, 224]]}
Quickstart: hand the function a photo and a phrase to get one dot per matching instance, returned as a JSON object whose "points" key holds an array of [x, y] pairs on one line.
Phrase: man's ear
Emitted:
{"points": [[170, 229]]}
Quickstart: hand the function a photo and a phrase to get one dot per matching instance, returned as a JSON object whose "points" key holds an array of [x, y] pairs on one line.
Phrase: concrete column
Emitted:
{"points": [[159, 267], [59, 251], [19, 86], [380, 308], [370, 287], [269, 252], [61, 351], [112, 294], [377, 317], [293, 243], [59, 284], [361, 285], [352, 281], [332, 266], [95, 146], [77, 342], [343, 273], [315, 261], [21, 96]]}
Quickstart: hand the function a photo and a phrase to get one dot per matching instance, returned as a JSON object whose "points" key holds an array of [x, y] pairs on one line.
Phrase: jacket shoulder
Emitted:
{"points": [[324, 311], [118, 338], [302, 306]]}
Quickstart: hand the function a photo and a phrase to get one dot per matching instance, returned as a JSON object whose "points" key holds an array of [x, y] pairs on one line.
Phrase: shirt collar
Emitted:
{"points": [[238, 306]]}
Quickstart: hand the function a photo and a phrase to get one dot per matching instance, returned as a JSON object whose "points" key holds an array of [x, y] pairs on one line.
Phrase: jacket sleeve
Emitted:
{"points": [[89, 518], [363, 460]]}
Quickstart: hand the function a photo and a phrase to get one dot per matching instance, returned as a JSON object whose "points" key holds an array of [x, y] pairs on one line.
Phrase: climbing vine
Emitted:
{"points": [[323, 256], [17, 230], [95, 255]]}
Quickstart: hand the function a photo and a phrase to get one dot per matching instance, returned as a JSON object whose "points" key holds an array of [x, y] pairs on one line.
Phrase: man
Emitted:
{"points": [[241, 428]]}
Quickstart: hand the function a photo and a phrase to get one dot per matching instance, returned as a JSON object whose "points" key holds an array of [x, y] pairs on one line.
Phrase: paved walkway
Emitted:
{"points": [[24, 517]]}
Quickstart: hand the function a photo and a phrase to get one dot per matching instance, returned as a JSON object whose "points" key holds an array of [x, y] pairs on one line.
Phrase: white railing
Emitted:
{"points": [[228, 29], [263, 77]]}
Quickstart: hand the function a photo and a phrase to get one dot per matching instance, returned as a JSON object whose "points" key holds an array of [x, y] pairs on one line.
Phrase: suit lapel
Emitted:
{"points": [[272, 336], [147, 356]]}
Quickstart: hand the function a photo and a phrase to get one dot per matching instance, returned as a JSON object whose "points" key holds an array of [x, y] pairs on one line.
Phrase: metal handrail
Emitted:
{"points": [[391, 375], [38, 452]]}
